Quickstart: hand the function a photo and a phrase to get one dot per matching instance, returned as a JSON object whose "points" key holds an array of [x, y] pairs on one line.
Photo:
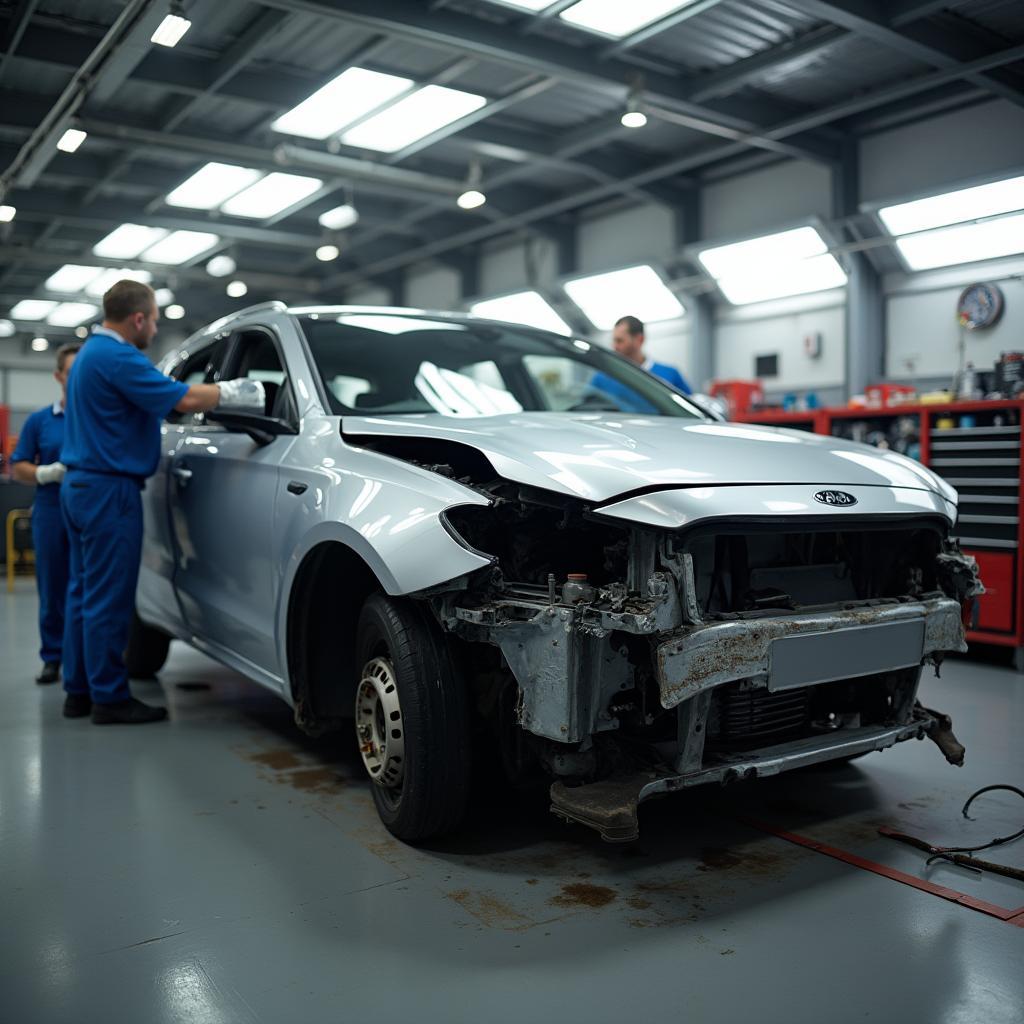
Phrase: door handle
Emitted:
{"points": [[296, 487], [182, 474]]}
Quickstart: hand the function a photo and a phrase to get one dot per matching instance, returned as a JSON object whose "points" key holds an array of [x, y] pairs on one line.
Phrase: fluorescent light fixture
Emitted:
{"points": [[955, 207], [471, 199], [128, 241], [528, 5], [964, 243], [618, 18], [71, 278], [174, 312], [71, 314], [638, 291], [82, 332], [32, 309], [326, 253], [171, 29], [7, 329], [180, 247], [350, 96], [164, 297], [7, 214], [71, 140], [794, 262], [528, 308], [424, 112], [236, 289], [98, 286], [211, 185], [633, 119], [221, 266], [40, 344], [339, 218], [271, 195]]}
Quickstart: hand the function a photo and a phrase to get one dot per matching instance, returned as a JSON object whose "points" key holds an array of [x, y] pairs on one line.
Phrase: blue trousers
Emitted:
{"points": [[50, 541], [104, 520]]}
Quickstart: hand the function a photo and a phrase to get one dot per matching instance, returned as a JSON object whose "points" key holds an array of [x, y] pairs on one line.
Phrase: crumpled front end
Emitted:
{"points": [[646, 660]]}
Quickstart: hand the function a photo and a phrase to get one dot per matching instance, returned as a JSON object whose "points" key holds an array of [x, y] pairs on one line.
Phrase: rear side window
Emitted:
{"points": [[202, 367]]}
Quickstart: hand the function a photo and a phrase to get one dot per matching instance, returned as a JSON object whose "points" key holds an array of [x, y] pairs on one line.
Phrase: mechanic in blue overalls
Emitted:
{"points": [[116, 399], [36, 460]]}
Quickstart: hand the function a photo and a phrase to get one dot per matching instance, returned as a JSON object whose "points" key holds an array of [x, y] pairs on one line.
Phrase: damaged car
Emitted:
{"points": [[456, 540]]}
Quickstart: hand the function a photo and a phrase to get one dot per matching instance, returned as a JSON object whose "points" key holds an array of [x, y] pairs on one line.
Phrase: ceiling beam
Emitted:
{"points": [[15, 30], [656, 28]]}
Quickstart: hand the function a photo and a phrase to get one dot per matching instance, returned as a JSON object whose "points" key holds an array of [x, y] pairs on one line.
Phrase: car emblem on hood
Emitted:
{"points": [[837, 498]]}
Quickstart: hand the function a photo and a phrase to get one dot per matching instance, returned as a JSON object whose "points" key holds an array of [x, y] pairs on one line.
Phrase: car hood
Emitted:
{"points": [[600, 456]]}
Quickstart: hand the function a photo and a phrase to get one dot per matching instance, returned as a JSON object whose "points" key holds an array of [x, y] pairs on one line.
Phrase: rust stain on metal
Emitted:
{"points": [[584, 894]]}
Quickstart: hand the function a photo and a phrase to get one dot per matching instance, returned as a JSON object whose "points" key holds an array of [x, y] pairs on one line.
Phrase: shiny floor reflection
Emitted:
{"points": [[224, 867]]}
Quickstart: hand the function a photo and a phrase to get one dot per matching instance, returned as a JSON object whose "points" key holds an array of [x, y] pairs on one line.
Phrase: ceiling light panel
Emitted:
{"points": [[180, 247], [527, 5], [211, 185], [106, 279], [964, 243], [71, 278], [795, 262], [128, 241], [955, 207], [71, 314], [407, 121], [638, 291], [618, 18], [350, 96], [528, 308], [170, 31], [32, 309], [271, 195], [339, 218]]}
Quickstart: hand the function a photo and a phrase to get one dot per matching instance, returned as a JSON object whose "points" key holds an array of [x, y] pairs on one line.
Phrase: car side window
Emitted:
{"points": [[201, 367], [257, 357]]}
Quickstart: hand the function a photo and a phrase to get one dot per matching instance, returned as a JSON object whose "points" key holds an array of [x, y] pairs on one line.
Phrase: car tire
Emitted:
{"points": [[410, 694], [146, 651]]}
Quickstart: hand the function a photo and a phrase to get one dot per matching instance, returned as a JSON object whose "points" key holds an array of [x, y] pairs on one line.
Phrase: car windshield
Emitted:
{"points": [[403, 364]]}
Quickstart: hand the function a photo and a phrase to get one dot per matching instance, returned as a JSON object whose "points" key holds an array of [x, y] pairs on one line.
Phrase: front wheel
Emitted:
{"points": [[412, 721], [146, 651]]}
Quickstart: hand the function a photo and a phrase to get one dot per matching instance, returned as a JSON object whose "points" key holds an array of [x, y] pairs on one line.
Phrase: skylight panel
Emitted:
{"points": [[795, 262], [619, 18], [350, 96], [32, 309], [71, 314], [180, 247], [98, 286], [211, 185], [638, 291], [271, 195], [128, 241], [964, 243], [71, 278], [408, 120], [966, 204], [528, 308]]}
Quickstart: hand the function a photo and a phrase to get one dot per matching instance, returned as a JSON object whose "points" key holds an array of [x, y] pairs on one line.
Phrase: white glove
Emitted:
{"points": [[242, 393], [51, 473]]}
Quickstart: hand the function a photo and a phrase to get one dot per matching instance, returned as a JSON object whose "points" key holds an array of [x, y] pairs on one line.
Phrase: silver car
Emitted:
{"points": [[475, 540]]}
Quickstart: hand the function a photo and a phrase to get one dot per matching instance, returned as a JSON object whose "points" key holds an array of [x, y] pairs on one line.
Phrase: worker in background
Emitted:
{"points": [[628, 341], [116, 400], [36, 460]]}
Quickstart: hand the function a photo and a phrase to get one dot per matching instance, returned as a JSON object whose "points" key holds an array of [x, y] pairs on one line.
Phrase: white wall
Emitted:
{"points": [[921, 325], [982, 140], [744, 332], [764, 200], [510, 268], [620, 237], [368, 295], [433, 288]]}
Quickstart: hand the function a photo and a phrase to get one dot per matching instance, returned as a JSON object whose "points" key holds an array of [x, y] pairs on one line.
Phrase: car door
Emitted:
{"points": [[155, 598], [223, 488]]}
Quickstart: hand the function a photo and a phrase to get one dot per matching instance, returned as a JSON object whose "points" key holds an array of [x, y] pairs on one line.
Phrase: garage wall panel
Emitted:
{"points": [[639, 234], [762, 201], [517, 267], [28, 390], [983, 140], [368, 296], [436, 288]]}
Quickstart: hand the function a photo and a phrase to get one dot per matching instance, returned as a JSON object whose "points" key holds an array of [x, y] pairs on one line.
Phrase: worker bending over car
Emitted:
{"points": [[116, 399]]}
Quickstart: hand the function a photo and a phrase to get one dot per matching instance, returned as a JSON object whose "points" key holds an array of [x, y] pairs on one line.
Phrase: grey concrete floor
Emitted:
{"points": [[223, 867]]}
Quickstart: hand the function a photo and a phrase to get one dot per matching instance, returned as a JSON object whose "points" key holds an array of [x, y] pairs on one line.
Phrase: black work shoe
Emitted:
{"points": [[127, 712], [50, 673], [77, 705]]}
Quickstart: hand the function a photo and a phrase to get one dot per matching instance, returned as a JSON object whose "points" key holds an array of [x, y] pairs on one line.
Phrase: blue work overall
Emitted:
{"points": [[40, 441], [115, 402]]}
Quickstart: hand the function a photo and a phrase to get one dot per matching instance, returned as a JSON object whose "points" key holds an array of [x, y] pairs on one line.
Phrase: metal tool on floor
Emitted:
{"points": [[964, 855]]}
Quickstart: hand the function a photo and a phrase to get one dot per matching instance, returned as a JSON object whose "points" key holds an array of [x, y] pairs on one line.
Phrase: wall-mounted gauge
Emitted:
{"points": [[980, 305]]}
